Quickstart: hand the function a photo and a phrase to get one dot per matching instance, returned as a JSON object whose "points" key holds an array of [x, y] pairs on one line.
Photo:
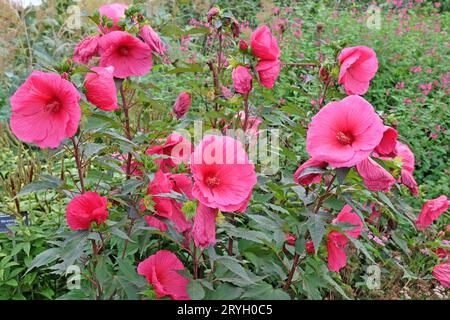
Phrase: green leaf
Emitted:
{"points": [[195, 290], [316, 228], [234, 266], [265, 291], [226, 291], [44, 258]]}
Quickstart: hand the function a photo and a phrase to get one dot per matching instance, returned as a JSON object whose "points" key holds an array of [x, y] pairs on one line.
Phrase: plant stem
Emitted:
{"points": [[230, 239], [130, 228], [127, 129], [194, 256], [79, 163], [246, 112], [291, 273]]}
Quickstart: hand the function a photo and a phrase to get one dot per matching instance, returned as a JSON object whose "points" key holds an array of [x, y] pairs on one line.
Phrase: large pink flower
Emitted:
{"points": [[358, 66], [45, 110], [268, 71], [375, 177], [161, 271], [442, 274], [169, 208], [337, 242], [128, 55], [432, 210], [114, 12], [345, 132], [100, 88], [223, 176], [85, 209], [177, 149], [152, 39], [86, 49], [264, 45], [302, 176], [204, 229]]}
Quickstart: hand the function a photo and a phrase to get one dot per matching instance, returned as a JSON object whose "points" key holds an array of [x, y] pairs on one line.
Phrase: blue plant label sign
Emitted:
{"points": [[7, 221]]}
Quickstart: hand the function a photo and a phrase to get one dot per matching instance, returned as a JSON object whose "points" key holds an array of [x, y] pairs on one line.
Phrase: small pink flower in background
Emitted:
{"points": [[114, 12], [182, 104], [290, 239], [161, 271], [358, 66], [307, 178], [85, 209], [223, 176], [442, 274], [100, 88], [204, 229], [152, 39], [344, 132], [45, 110], [177, 148], [400, 85], [268, 71], [388, 142], [433, 135], [264, 45], [86, 49], [431, 210], [242, 80], [128, 55], [337, 242], [416, 69], [375, 177], [407, 101]]}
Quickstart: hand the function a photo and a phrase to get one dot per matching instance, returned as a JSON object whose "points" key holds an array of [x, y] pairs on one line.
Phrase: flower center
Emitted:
{"points": [[123, 51], [212, 182], [53, 105], [344, 138]]}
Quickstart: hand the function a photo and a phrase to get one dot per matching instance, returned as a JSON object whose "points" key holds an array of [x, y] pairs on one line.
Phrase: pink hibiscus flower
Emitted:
{"points": [[337, 242], [442, 274], [100, 88], [344, 133], [242, 80], [151, 38], [358, 66], [177, 148], [375, 177], [85, 209], [306, 176], [264, 45], [431, 210], [45, 110], [223, 176], [268, 72], [161, 271], [114, 12], [182, 104], [166, 207], [388, 143], [128, 55], [204, 229], [86, 49]]}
